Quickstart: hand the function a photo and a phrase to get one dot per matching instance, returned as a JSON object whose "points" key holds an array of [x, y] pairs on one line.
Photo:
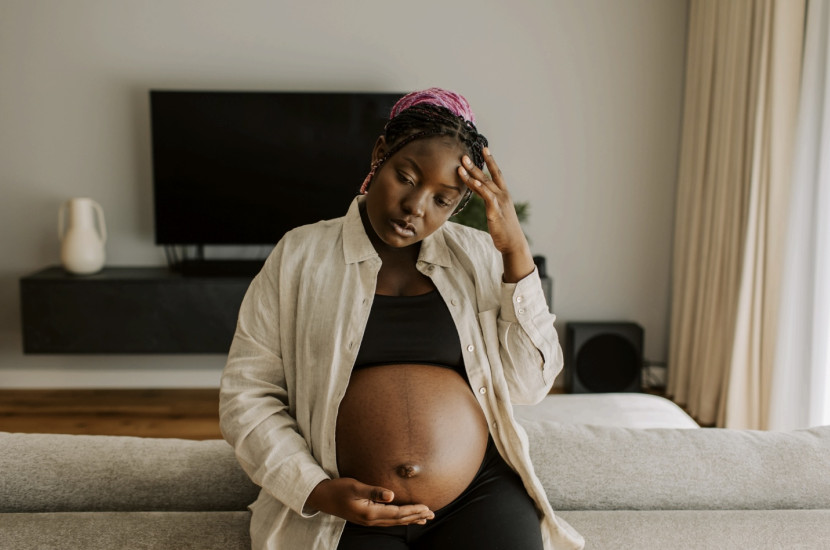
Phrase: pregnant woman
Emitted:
{"points": [[377, 356]]}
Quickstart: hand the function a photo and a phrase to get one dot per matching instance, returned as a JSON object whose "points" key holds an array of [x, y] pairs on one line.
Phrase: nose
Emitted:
{"points": [[414, 202]]}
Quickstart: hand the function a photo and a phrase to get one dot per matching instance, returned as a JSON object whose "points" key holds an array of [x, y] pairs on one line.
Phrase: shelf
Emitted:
{"points": [[123, 310], [129, 310]]}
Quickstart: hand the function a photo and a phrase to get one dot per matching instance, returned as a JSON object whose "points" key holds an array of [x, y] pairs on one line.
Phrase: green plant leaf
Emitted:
{"points": [[475, 214]]}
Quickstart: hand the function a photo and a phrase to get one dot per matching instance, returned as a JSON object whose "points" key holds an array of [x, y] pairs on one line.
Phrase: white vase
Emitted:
{"points": [[83, 233]]}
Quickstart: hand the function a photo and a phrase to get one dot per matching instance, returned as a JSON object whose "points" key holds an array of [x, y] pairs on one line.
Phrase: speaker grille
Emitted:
{"points": [[603, 357]]}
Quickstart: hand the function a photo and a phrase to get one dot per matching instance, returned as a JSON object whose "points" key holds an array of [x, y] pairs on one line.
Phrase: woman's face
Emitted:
{"points": [[415, 191]]}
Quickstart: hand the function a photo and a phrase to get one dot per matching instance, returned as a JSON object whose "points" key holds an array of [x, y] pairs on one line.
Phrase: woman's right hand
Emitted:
{"points": [[364, 504]]}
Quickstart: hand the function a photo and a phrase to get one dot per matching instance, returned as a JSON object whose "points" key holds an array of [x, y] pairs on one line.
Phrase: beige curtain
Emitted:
{"points": [[800, 392], [742, 77]]}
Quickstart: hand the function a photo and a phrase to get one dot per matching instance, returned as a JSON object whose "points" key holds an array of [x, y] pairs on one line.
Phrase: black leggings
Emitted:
{"points": [[493, 513]]}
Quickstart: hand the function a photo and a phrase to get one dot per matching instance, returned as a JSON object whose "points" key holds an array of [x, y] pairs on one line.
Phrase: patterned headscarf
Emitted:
{"points": [[436, 96]]}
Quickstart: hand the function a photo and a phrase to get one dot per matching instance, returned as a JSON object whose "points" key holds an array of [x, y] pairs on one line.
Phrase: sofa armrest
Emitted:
{"points": [[68, 473]]}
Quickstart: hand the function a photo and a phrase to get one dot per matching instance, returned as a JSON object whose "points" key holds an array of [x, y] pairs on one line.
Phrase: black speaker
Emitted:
{"points": [[603, 357]]}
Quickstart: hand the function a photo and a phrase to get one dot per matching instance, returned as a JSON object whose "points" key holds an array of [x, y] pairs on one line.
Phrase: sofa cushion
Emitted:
{"points": [[702, 529], [64, 473], [111, 530], [586, 467]]}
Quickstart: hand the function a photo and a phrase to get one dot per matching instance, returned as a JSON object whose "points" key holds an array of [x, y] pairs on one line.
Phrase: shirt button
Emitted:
{"points": [[470, 347], [521, 310], [519, 299], [430, 268], [482, 390], [454, 302]]}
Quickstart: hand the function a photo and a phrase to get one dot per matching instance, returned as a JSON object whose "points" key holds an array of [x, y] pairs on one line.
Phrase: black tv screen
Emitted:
{"points": [[245, 167]]}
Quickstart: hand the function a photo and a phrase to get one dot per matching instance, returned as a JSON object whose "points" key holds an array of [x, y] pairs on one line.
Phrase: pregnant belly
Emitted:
{"points": [[414, 429]]}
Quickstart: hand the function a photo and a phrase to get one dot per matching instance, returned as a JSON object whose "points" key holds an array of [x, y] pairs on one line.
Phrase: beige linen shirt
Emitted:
{"points": [[299, 330]]}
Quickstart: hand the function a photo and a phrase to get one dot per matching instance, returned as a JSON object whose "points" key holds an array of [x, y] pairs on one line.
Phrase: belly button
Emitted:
{"points": [[408, 470]]}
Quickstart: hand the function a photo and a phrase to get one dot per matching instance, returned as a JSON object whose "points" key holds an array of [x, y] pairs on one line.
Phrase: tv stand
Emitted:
{"points": [[219, 268], [132, 310]]}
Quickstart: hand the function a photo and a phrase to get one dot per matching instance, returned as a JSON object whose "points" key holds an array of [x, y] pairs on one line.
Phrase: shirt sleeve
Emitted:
{"points": [[254, 410], [528, 342]]}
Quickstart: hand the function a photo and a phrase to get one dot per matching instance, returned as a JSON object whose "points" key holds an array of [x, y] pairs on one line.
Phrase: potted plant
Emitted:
{"points": [[475, 215]]}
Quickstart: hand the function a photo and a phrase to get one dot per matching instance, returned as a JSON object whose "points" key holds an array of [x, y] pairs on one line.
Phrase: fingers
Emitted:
{"points": [[474, 179], [379, 494], [471, 174], [373, 508], [495, 196], [385, 515], [502, 221], [369, 492], [493, 168], [470, 170]]}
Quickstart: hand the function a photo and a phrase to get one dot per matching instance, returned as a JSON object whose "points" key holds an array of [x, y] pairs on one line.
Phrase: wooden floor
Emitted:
{"points": [[182, 413]]}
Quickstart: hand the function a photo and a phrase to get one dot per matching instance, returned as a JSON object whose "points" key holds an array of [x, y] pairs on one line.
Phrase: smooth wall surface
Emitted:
{"points": [[581, 101]]}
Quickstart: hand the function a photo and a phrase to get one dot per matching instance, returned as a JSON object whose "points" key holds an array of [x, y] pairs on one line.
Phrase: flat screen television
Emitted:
{"points": [[242, 168]]}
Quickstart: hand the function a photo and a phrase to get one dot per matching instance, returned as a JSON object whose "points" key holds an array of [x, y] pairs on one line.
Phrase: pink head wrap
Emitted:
{"points": [[436, 96]]}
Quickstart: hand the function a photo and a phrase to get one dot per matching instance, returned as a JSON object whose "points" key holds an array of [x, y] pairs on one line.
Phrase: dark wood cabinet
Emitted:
{"points": [[129, 310], [135, 310]]}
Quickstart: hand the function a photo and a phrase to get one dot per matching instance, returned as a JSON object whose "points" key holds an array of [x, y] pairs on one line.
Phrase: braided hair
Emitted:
{"points": [[431, 113]]}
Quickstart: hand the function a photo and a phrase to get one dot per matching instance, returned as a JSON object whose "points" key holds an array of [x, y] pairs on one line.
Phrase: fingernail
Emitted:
{"points": [[467, 160], [464, 172], [486, 151]]}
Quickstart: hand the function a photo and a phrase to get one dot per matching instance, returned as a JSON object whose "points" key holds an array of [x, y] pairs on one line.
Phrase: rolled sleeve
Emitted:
{"points": [[531, 353], [524, 299], [293, 481]]}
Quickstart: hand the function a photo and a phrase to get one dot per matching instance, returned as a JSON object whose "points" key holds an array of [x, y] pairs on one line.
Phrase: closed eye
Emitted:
{"points": [[403, 178]]}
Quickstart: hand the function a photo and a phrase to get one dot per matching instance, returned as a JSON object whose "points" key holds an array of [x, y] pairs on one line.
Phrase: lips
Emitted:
{"points": [[403, 228]]}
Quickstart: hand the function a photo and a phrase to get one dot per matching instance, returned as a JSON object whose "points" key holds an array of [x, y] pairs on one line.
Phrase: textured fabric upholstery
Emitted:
{"points": [[122, 530], [65, 473], [621, 488], [585, 467], [703, 529]]}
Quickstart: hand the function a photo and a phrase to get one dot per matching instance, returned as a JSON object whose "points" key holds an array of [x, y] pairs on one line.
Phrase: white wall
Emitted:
{"points": [[581, 100]]}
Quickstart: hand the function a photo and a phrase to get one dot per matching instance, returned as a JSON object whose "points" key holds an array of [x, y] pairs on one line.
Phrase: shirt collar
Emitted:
{"points": [[357, 247]]}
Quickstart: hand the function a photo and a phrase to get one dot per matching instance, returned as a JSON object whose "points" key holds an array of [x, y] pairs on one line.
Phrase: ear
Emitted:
{"points": [[380, 149]]}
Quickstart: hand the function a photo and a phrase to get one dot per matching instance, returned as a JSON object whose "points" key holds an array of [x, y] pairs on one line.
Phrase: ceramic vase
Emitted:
{"points": [[83, 234]]}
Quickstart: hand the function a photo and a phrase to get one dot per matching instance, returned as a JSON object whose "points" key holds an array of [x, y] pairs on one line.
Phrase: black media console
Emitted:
{"points": [[130, 310], [140, 309]]}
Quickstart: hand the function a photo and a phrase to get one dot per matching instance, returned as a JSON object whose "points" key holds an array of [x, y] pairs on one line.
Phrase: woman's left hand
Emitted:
{"points": [[502, 221]]}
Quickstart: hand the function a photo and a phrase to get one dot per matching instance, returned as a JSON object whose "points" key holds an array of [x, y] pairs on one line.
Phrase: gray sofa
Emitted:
{"points": [[621, 487]]}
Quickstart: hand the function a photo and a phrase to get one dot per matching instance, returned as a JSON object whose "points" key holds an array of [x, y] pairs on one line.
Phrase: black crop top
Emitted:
{"points": [[411, 329]]}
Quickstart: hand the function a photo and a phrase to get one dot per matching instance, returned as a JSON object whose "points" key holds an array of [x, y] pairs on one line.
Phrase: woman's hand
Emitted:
{"points": [[364, 504], [502, 221]]}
